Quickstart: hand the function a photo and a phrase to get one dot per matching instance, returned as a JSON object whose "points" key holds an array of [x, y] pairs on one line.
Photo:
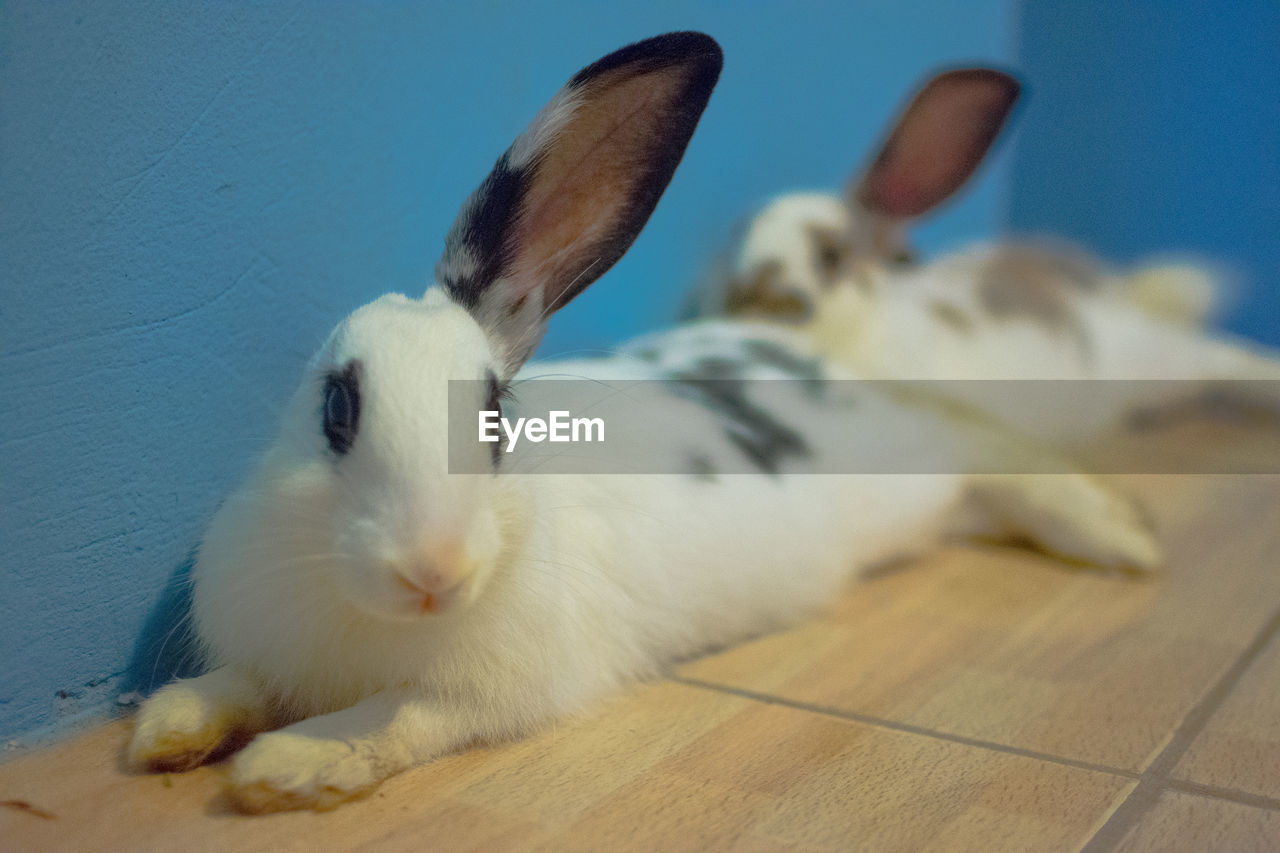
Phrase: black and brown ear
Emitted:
{"points": [[571, 194], [937, 143]]}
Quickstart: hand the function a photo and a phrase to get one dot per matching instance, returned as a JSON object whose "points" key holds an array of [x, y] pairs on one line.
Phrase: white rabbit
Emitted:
{"points": [[384, 611], [839, 269]]}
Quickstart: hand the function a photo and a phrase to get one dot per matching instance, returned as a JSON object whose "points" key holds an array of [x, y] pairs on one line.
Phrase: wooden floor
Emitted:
{"points": [[980, 699]]}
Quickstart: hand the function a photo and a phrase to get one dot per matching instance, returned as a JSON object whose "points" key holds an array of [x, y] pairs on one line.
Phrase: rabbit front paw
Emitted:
{"points": [[181, 727], [283, 771]]}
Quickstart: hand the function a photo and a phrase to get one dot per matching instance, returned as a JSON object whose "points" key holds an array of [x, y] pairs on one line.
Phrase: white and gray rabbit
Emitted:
{"points": [[840, 270], [364, 610]]}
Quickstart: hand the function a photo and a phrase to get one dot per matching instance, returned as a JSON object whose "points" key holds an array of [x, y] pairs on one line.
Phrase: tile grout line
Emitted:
{"points": [[1231, 795], [1155, 779], [907, 728]]}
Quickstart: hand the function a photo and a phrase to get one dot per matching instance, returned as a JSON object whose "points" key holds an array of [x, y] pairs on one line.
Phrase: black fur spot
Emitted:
{"points": [[764, 292], [951, 316], [700, 468], [808, 370], [340, 412], [718, 367], [660, 52], [481, 234], [765, 441]]}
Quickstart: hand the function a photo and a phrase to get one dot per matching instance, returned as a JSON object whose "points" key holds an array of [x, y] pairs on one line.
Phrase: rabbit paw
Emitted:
{"points": [[283, 771], [1074, 517], [1116, 533], [180, 727]]}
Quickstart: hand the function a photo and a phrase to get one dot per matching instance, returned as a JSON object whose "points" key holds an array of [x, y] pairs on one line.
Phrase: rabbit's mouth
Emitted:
{"points": [[420, 601]]}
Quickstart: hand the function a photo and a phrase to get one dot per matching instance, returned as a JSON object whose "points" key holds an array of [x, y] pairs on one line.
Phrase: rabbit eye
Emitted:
{"points": [[829, 258], [342, 408], [829, 254]]}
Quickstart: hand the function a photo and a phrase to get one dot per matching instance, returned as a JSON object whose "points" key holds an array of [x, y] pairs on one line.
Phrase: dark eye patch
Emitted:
{"points": [[764, 292], [341, 409], [493, 403]]}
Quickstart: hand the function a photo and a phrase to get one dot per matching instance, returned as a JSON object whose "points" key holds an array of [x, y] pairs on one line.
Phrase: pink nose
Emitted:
{"points": [[428, 575], [431, 575]]}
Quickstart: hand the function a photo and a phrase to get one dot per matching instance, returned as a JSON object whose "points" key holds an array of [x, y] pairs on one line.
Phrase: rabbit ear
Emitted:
{"points": [[937, 143], [571, 194]]}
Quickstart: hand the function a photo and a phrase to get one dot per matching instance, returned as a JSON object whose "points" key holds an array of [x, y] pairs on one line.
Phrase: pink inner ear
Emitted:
{"points": [[586, 184], [938, 143], [897, 196]]}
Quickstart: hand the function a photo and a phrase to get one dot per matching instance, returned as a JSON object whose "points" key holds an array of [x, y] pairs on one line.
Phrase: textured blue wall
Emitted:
{"points": [[1155, 126], [192, 195]]}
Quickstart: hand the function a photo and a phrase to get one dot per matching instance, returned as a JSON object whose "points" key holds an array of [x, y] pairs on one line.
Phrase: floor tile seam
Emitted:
{"points": [[1157, 776], [909, 728], [1218, 792]]}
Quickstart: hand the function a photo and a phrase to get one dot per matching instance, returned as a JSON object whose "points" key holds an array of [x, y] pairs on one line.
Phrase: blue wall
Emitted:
{"points": [[1155, 126], [192, 195]]}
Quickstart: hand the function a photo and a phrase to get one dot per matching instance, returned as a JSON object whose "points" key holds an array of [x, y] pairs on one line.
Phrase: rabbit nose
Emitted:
{"points": [[432, 573], [426, 575]]}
